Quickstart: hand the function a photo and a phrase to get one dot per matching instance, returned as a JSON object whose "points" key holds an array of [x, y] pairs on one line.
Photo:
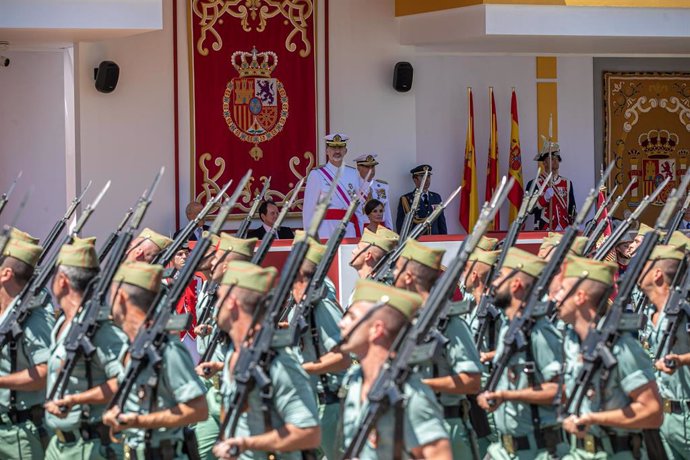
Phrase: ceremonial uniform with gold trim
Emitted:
{"points": [[426, 207]]}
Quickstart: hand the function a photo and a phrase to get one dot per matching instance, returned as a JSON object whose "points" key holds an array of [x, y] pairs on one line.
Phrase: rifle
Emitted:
{"points": [[7, 229], [316, 290], [79, 340], [675, 223], [272, 234], [487, 313], [60, 224], [387, 263], [244, 226], [601, 225], [676, 311], [6, 196], [624, 226], [516, 338], [254, 360], [387, 390], [147, 346], [164, 257], [407, 223], [110, 241], [600, 210], [596, 348]]}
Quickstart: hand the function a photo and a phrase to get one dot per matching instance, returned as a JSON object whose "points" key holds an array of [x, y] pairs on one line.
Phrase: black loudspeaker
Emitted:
{"points": [[402, 77], [107, 75]]}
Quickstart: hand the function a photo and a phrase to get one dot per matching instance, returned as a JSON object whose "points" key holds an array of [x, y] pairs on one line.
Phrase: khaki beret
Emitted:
{"points": [[378, 240], [159, 240], [524, 261], [249, 276], [80, 254], [420, 253], [243, 246], [19, 249], [590, 269], [406, 302], [141, 274]]}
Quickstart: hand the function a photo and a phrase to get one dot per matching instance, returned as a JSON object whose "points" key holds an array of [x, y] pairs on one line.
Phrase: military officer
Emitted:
{"points": [[228, 249], [428, 201], [22, 384], [522, 403], [369, 334], [457, 372], [78, 430], [558, 198], [146, 246], [292, 414], [674, 382], [619, 406], [153, 428], [319, 182], [321, 356], [366, 167]]}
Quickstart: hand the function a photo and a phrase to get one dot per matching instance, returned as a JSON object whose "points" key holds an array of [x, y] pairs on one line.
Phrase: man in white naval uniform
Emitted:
{"points": [[366, 165], [319, 182]]}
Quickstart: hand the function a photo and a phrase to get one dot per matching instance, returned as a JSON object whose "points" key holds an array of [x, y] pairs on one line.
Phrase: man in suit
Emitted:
{"points": [[268, 213], [428, 201], [191, 211]]}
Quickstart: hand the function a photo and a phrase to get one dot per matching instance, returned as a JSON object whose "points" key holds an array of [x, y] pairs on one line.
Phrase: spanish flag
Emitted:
{"points": [[469, 204], [492, 160], [515, 165]]}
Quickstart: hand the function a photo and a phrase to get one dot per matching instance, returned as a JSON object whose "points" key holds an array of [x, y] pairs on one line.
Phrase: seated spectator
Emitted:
{"points": [[268, 213]]}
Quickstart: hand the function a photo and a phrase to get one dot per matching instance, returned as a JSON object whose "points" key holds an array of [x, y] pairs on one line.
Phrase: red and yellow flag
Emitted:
{"points": [[492, 160], [469, 204], [515, 162]]}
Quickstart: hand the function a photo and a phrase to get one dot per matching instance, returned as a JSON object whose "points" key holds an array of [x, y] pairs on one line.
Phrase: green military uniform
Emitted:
{"points": [[422, 423], [320, 337], [292, 400], [207, 431], [632, 371], [674, 388], [81, 434], [176, 381], [518, 435], [459, 355], [21, 420], [422, 417]]}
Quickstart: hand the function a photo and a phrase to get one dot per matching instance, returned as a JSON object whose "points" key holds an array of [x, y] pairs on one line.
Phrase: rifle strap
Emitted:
{"points": [[266, 404], [398, 431], [530, 372], [13, 368], [85, 409], [153, 384], [314, 332]]}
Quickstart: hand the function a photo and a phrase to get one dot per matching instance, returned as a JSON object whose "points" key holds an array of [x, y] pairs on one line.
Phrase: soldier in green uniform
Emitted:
{"points": [[457, 372], [291, 415], [321, 356], [369, 335], [522, 403], [78, 430], [146, 246], [617, 408], [674, 382], [371, 248], [153, 428], [227, 249], [22, 385]]}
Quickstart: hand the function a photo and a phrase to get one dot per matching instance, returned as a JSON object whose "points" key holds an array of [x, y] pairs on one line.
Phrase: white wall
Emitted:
{"points": [[128, 135], [32, 137]]}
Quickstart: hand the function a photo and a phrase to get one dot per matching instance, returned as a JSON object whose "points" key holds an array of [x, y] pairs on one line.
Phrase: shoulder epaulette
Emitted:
{"points": [[461, 307], [540, 309], [178, 323], [631, 322], [348, 166], [381, 181]]}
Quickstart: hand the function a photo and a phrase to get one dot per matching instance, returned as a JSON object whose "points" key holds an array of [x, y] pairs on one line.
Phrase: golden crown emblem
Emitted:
{"points": [[658, 142], [254, 64]]}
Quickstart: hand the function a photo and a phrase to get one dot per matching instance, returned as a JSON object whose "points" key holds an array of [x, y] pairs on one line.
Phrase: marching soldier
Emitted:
{"points": [[290, 421], [429, 200], [457, 372], [23, 369], [674, 382], [146, 246], [371, 248], [619, 405], [154, 417], [522, 403], [369, 334], [558, 198], [366, 167], [319, 182], [77, 425], [228, 249], [321, 355]]}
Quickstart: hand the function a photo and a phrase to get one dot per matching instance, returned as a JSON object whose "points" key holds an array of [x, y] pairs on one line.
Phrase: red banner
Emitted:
{"points": [[254, 96]]}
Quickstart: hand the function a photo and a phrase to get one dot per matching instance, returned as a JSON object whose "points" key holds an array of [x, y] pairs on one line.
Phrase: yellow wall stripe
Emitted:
{"points": [[547, 105], [408, 7], [547, 67]]}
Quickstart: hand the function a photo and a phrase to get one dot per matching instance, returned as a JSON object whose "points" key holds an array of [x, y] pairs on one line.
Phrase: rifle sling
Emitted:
{"points": [[314, 332], [13, 368], [398, 431], [534, 409], [155, 377]]}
